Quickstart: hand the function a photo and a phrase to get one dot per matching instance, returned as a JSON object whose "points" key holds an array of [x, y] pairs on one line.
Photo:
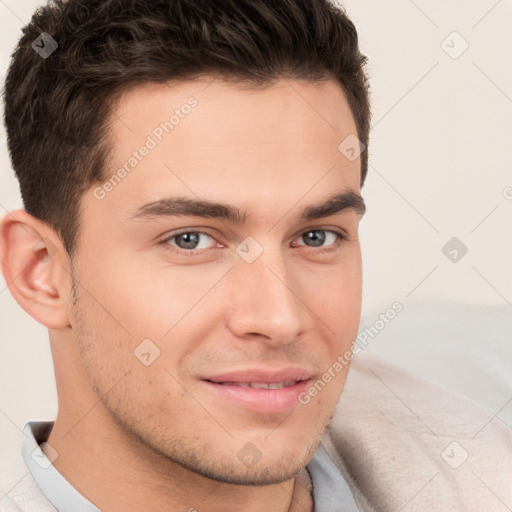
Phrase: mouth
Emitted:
{"points": [[261, 385], [266, 392]]}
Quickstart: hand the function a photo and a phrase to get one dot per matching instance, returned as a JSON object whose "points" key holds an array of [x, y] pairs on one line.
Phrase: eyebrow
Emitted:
{"points": [[183, 206]]}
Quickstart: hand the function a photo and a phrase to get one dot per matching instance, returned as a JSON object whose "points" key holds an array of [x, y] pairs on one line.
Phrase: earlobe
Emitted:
{"points": [[34, 266]]}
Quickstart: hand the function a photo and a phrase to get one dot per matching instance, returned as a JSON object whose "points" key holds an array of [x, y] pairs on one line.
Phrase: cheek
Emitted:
{"points": [[345, 320], [103, 344], [334, 293], [143, 319], [151, 299]]}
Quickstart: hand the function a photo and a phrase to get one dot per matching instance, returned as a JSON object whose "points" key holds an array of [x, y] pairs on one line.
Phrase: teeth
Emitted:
{"points": [[262, 385]]}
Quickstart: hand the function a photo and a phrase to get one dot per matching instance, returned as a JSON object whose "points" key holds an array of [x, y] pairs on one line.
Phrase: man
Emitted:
{"points": [[191, 174]]}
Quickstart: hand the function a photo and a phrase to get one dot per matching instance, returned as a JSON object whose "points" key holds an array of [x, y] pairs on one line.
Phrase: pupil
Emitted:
{"points": [[316, 237], [189, 240]]}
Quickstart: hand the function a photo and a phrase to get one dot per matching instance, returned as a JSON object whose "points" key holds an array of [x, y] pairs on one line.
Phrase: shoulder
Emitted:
{"points": [[405, 442], [18, 490]]}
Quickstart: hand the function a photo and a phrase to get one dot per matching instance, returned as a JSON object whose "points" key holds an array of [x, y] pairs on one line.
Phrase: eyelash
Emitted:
{"points": [[340, 237]]}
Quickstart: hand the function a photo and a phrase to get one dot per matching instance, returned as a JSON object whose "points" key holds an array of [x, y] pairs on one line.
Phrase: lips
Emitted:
{"points": [[260, 390]]}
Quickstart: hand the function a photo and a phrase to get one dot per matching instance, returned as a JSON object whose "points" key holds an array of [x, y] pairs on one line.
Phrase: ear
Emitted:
{"points": [[36, 268]]}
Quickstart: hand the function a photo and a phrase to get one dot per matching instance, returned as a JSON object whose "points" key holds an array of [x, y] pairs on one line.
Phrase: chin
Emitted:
{"points": [[277, 462], [257, 475], [241, 465]]}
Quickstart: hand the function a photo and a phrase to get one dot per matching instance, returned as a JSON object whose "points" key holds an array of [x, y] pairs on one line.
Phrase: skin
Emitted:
{"points": [[134, 437]]}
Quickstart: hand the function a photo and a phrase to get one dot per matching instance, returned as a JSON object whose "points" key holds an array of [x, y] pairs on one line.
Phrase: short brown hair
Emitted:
{"points": [[57, 108]]}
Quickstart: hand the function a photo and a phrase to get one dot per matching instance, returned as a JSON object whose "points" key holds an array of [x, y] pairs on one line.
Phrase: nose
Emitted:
{"points": [[266, 302]]}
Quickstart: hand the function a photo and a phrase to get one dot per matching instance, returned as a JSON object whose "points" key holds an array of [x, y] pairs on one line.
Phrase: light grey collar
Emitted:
{"points": [[59, 492], [331, 492]]}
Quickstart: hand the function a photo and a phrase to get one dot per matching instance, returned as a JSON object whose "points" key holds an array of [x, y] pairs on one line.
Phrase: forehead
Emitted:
{"points": [[228, 104], [210, 138]]}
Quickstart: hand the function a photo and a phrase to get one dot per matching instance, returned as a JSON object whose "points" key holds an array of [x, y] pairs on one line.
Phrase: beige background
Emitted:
{"points": [[441, 168]]}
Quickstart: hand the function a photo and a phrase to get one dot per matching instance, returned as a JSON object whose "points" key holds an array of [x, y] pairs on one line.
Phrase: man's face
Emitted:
{"points": [[219, 304]]}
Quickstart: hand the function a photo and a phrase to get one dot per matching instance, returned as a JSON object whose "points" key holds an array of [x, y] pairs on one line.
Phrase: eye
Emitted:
{"points": [[319, 238], [191, 240]]}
